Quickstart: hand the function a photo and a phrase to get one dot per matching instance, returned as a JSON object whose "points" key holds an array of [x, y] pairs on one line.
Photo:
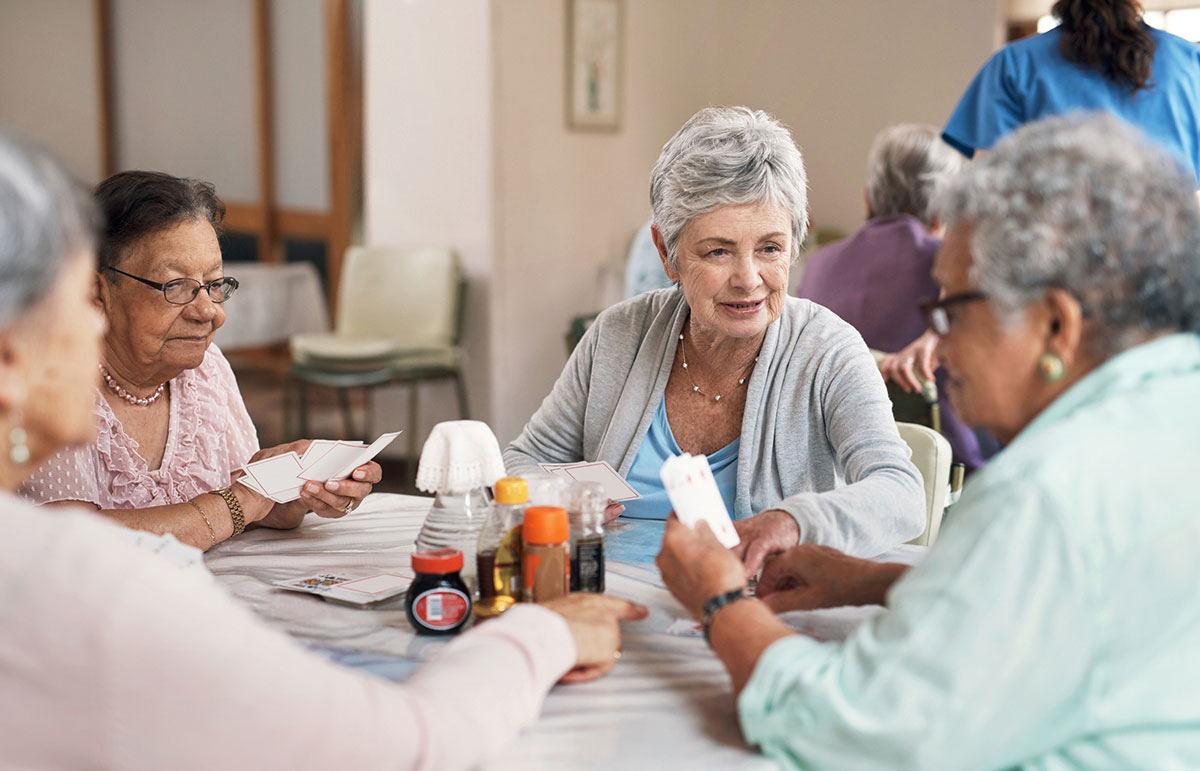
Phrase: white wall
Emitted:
{"points": [[428, 162], [49, 86]]}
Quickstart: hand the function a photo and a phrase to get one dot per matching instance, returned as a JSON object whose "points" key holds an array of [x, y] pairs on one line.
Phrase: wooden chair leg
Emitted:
{"points": [[460, 387], [412, 420], [347, 418]]}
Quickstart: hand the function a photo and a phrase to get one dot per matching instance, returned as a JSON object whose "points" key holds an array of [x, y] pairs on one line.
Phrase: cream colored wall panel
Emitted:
{"points": [[301, 104], [48, 80], [184, 91]]}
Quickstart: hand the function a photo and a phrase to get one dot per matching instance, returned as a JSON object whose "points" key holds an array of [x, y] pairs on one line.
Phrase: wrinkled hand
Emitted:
{"points": [[899, 366], [811, 576], [613, 511], [335, 498], [766, 533], [695, 566], [593, 620]]}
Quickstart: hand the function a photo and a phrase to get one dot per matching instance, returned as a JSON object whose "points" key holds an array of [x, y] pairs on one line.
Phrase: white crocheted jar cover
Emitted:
{"points": [[459, 455]]}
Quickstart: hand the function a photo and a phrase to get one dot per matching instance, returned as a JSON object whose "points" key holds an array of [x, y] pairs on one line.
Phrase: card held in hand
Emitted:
{"points": [[694, 495]]}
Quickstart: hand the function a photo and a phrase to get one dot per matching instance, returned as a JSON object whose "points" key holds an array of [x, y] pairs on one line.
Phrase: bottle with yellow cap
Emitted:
{"points": [[545, 553], [498, 554]]}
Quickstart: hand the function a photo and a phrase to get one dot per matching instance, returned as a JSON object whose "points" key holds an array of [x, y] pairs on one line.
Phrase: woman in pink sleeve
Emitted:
{"points": [[112, 658], [172, 428]]}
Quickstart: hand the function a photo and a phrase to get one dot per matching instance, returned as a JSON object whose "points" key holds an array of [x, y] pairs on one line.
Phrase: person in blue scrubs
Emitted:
{"points": [[1102, 57]]}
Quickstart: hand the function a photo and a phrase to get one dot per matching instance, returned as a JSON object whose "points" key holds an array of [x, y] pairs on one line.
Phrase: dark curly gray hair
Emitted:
{"points": [[1088, 204]]}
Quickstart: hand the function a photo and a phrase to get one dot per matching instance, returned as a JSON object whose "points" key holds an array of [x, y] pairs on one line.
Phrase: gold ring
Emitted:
{"points": [[349, 507]]}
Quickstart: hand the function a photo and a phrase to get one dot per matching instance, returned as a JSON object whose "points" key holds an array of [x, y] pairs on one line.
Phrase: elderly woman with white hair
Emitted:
{"points": [[1054, 624], [781, 395], [875, 278]]}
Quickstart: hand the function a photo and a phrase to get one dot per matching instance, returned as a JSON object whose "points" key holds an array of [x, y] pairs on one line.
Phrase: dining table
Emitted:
{"points": [[667, 703]]}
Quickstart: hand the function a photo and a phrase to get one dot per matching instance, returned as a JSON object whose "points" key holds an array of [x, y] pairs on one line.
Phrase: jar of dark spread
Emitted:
{"points": [[438, 601]]}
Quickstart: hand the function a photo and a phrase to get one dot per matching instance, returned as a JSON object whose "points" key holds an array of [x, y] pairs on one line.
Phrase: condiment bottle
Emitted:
{"points": [[438, 602], [545, 554], [498, 554], [586, 503]]}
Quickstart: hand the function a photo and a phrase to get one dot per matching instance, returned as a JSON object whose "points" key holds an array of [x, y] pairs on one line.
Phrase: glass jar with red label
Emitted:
{"points": [[438, 601]]}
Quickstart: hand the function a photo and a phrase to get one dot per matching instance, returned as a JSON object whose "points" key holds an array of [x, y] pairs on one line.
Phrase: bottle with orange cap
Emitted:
{"points": [[498, 553], [438, 601], [545, 553]]}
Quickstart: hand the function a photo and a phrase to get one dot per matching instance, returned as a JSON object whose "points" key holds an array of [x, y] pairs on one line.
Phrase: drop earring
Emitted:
{"points": [[18, 450], [1050, 367]]}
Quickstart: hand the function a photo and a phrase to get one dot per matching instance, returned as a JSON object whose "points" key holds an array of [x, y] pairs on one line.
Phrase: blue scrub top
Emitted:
{"points": [[1029, 79], [640, 538]]}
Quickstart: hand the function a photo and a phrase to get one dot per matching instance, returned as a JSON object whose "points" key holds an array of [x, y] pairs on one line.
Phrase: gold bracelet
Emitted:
{"points": [[212, 534], [235, 509]]}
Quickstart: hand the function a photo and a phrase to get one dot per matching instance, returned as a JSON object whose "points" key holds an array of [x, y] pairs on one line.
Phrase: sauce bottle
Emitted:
{"points": [[498, 553], [438, 602], [545, 557], [586, 502]]}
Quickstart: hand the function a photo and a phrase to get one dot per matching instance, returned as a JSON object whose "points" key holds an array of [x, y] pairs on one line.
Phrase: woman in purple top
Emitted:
{"points": [[875, 278]]}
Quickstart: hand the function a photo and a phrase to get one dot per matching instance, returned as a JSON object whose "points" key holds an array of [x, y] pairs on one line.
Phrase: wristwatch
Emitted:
{"points": [[235, 509], [716, 603]]}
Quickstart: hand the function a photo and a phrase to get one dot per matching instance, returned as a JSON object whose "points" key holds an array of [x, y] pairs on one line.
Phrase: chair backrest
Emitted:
{"points": [[412, 296], [931, 455]]}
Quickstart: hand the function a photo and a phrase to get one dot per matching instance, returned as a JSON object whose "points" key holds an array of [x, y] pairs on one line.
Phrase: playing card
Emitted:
{"points": [[341, 459], [695, 497], [356, 591], [277, 476], [615, 487]]}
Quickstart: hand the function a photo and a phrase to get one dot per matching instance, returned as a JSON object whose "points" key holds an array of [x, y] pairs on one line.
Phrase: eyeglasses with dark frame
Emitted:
{"points": [[181, 291], [935, 314]]}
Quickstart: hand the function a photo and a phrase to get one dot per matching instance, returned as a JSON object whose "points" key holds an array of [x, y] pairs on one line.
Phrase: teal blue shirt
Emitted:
{"points": [[642, 541], [1056, 623]]}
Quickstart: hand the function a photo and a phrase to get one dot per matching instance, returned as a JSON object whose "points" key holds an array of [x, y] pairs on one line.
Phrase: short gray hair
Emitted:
{"points": [[727, 156], [1087, 204], [908, 167], [45, 216]]}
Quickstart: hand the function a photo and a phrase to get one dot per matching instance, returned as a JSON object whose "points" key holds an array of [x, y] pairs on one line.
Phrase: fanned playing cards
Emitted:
{"points": [[281, 477], [694, 495]]}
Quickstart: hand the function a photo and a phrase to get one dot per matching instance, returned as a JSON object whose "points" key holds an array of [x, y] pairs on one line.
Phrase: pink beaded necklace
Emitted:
{"points": [[137, 401]]}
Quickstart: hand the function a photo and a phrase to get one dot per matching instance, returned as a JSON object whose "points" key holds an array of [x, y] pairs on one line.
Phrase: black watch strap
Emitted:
{"points": [[716, 603]]}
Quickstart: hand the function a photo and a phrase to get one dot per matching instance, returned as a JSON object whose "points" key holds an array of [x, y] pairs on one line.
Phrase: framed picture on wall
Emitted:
{"points": [[594, 64]]}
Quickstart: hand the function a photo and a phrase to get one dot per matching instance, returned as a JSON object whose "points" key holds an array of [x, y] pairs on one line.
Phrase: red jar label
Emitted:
{"points": [[440, 609]]}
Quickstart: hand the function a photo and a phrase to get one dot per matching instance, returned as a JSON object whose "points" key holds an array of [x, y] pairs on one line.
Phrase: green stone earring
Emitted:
{"points": [[1050, 367]]}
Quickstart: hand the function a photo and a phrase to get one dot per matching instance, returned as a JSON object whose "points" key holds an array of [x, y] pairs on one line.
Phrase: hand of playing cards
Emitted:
{"points": [[694, 495], [281, 477]]}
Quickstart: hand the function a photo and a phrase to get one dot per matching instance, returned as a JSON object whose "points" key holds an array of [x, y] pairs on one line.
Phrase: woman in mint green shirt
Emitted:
{"points": [[1056, 623]]}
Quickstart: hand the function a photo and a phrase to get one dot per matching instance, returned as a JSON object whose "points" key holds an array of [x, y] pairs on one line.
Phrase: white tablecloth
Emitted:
{"points": [[667, 704], [272, 303]]}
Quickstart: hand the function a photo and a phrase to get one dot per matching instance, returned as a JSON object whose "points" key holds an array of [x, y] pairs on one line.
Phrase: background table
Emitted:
{"points": [[273, 302], [667, 704]]}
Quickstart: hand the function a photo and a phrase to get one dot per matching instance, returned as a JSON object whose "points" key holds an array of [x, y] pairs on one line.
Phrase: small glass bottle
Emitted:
{"points": [[454, 522], [586, 503], [498, 553], [438, 602], [545, 553]]}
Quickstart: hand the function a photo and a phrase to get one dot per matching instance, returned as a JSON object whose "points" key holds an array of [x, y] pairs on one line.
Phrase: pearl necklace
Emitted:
{"points": [[696, 388], [137, 401]]}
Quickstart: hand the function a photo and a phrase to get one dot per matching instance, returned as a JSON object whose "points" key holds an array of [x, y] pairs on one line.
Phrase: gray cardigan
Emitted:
{"points": [[818, 439]]}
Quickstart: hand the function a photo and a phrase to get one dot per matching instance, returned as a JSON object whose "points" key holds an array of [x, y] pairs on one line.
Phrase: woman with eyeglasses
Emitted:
{"points": [[172, 427], [1054, 624]]}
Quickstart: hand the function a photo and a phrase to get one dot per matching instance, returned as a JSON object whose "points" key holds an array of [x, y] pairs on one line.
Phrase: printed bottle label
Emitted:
{"points": [[441, 608]]}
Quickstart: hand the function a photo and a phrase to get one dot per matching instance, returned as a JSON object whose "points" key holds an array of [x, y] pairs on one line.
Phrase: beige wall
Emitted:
{"points": [[49, 88], [567, 202], [428, 164]]}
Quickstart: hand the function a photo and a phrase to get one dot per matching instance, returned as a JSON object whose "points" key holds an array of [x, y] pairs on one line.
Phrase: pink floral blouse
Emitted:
{"points": [[209, 435]]}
